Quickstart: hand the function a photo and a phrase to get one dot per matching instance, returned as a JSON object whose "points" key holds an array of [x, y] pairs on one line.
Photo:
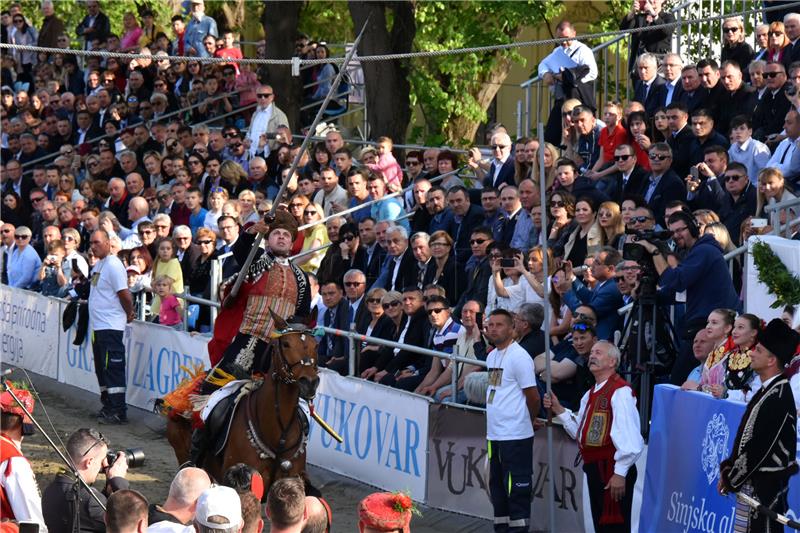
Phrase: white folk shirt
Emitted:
{"points": [[22, 491], [510, 371], [626, 432], [105, 310]]}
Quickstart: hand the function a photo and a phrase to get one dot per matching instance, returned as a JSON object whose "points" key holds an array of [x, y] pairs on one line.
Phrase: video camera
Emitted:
{"points": [[648, 275], [134, 456]]}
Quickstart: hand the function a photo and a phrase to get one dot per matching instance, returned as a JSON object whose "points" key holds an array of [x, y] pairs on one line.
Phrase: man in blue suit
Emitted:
{"points": [[605, 298]]}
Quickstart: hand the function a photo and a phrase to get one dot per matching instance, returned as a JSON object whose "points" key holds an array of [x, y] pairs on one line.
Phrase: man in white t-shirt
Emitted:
{"points": [[512, 403], [110, 309]]}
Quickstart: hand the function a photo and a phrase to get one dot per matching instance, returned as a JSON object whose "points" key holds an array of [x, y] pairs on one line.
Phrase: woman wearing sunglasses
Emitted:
{"points": [[313, 237], [388, 327]]}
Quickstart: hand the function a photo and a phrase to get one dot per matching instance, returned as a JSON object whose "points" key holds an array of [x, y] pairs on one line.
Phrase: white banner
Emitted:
{"points": [[29, 331], [385, 434], [154, 357], [757, 297]]}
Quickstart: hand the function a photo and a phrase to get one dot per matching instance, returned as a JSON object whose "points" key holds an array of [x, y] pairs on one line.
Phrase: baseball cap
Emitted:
{"points": [[219, 501], [134, 269]]}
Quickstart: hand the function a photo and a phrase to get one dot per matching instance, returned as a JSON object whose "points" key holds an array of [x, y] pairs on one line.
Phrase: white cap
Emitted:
{"points": [[219, 501]]}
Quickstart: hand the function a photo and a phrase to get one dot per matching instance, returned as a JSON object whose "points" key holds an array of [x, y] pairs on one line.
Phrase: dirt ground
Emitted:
{"points": [[68, 408]]}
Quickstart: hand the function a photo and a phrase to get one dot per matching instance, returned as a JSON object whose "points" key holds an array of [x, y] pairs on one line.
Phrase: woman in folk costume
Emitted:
{"points": [[740, 380], [719, 327], [764, 452]]}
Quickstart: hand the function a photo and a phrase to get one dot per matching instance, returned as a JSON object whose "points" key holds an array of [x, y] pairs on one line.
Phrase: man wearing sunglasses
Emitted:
{"points": [[771, 110], [87, 448], [663, 185], [23, 261], [628, 177], [266, 119]]}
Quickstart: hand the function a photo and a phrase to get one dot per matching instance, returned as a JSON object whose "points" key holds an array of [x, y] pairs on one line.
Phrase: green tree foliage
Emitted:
{"points": [[454, 92], [72, 13]]}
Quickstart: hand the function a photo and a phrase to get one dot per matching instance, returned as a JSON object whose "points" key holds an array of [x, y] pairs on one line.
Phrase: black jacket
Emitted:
{"points": [[333, 345], [452, 279], [698, 147], [682, 145], [739, 102], [670, 187], [734, 212], [462, 231], [770, 113], [418, 334], [58, 504], [618, 191], [650, 99], [653, 41], [583, 186], [374, 263]]}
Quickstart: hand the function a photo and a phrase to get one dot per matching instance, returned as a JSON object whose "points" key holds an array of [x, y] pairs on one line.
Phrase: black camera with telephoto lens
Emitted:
{"points": [[134, 457], [648, 275]]}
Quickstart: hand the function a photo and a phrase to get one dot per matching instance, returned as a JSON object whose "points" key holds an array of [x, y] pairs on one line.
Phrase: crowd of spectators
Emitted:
{"points": [[162, 156], [94, 146]]}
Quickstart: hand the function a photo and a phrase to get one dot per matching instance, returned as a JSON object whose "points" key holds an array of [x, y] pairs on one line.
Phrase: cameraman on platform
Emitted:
{"points": [[703, 275], [87, 449]]}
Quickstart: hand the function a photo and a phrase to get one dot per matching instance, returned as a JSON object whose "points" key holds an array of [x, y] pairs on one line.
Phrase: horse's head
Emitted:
{"points": [[294, 356]]}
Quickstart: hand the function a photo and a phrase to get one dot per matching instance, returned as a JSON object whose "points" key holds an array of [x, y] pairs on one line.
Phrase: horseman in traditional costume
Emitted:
{"points": [[272, 284]]}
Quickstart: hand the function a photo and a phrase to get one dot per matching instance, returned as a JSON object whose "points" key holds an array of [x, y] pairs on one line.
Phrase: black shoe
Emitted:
{"points": [[109, 419], [101, 413]]}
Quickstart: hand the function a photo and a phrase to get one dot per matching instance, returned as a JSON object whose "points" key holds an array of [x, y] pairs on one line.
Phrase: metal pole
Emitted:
{"points": [[142, 302], [551, 483], [454, 375], [351, 359], [335, 85]]}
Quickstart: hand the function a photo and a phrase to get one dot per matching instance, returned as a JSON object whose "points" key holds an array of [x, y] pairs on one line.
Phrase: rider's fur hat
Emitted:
{"points": [[283, 220]]}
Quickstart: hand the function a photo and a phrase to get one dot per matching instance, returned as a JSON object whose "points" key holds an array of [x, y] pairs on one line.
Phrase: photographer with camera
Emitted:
{"points": [[703, 275], [67, 504]]}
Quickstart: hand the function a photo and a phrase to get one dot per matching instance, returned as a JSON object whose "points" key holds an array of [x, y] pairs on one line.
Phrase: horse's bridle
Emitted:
{"points": [[284, 371]]}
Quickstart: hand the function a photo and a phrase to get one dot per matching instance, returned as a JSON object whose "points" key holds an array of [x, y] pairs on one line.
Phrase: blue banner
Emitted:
{"points": [[690, 434]]}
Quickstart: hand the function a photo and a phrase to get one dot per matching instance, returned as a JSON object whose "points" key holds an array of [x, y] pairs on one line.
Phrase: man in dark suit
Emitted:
{"points": [[399, 269], [663, 185], [333, 349], [229, 231], [405, 370], [355, 287], [672, 89], [704, 136], [375, 250], [738, 98], [708, 190], [346, 254], [682, 138], [501, 168], [188, 252], [528, 328], [628, 177], [22, 185], [95, 25], [791, 52], [647, 90], [466, 217], [772, 108], [709, 73], [605, 298], [643, 15], [480, 272], [693, 94]]}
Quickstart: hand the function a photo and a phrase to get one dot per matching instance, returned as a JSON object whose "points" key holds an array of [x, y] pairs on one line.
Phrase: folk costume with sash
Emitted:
{"points": [[19, 493], [765, 449], [608, 433], [271, 284]]}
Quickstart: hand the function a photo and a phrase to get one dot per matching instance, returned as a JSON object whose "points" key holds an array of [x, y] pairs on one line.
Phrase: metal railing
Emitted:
{"points": [[357, 338], [607, 55]]}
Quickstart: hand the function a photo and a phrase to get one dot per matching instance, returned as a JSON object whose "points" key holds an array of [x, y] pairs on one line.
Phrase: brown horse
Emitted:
{"points": [[266, 431]]}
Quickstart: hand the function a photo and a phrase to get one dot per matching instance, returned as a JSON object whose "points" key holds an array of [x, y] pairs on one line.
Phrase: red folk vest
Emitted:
{"points": [[7, 450], [595, 438]]}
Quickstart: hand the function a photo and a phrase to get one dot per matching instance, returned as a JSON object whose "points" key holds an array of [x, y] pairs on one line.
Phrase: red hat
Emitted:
{"points": [[9, 405], [386, 511]]}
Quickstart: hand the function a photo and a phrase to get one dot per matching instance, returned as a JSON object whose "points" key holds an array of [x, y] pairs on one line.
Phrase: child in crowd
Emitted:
{"points": [[388, 165], [169, 311], [166, 264]]}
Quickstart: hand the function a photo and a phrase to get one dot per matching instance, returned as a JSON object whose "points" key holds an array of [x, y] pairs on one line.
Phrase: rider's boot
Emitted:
{"points": [[198, 449]]}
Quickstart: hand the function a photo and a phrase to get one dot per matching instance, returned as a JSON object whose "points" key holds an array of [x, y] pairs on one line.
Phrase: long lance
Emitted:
{"points": [[334, 86]]}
